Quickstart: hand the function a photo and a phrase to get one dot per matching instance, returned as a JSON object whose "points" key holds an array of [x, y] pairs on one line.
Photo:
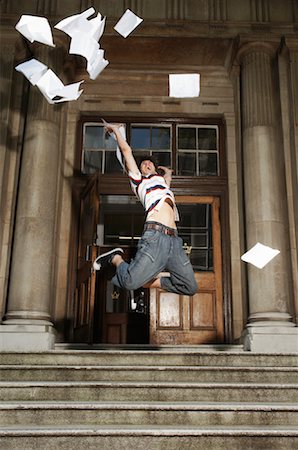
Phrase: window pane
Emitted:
{"points": [[207, 164], [112, 164], [187, 164], [139, 155], [207, 139], [93, 137], [92, 161], [160, 138], [195, 229], [186, 138], [162, 158], [140, 137], [109, 142]]}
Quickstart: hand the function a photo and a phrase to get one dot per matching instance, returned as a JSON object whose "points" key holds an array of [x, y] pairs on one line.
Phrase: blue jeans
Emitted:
{"points": [[158, 252]]}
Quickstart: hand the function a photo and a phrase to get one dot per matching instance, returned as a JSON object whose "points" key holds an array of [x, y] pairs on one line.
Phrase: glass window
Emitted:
{"points": [[98, 151], [207, 164], [195, 229], [187, 164], [186, 138], [194, 151], [207, 139], [93, 136], [155, 139], [140, 137], [197, 150], [160, 138], [92, 162]]}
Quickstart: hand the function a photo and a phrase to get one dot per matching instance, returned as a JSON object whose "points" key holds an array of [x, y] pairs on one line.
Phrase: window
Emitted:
{"points": [[99, 151], [195, 229], [197, 150], [192, 150], [152, 140]]}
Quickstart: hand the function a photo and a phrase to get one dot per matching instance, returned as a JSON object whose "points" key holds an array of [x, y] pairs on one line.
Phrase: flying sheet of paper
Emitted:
{"points": [[82, 44], [35, 28], [118, 151], [184, 85], [32, 69], [260, 255], [84, 39], [54, 90], [96, 66], [127, 23], [78, 22]]}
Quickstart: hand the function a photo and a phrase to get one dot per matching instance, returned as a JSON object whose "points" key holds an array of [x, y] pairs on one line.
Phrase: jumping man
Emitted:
{"points": [[160, 248]]}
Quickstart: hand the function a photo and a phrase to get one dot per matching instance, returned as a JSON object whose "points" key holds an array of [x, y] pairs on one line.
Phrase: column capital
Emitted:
{"points": [[247, 48]]}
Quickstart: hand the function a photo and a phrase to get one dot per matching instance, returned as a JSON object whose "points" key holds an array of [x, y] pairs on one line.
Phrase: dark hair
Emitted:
{"points": [[142, 158]]}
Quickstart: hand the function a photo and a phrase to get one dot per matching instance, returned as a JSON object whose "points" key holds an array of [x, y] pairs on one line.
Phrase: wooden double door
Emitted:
{"points": [[104, 313]]}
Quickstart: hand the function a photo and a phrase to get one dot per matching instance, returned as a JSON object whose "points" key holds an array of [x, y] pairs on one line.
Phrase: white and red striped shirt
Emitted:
{"points": [[152, 191]]}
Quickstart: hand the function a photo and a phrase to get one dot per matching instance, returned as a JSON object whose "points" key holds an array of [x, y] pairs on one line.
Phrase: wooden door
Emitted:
{"points": [[178, 319], [87, 252]]}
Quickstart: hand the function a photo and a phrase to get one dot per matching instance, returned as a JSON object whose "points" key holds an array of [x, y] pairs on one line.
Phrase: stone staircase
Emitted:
{"points": [[144, 398]]}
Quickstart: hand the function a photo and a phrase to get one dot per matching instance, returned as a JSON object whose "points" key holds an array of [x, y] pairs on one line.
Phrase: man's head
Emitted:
{"points": [[147, 166]]}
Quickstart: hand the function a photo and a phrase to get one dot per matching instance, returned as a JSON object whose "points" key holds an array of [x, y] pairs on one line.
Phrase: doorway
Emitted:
{"points": [[156, 316]]}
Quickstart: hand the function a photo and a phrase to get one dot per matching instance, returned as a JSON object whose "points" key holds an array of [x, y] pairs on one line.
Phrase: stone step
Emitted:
{"points": [[151, 438], [148, 373], [147, 391], [166, 357], [149, 413]]}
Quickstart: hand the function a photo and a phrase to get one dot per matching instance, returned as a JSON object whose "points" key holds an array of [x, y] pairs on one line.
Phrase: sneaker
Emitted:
{"points": [[105, 259]]}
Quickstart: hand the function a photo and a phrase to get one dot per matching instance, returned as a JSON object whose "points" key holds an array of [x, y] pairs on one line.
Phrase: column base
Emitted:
{"points": [[26, 337], [270, 339]]}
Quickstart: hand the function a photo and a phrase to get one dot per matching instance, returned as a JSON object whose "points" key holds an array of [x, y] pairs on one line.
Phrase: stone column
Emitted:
{"points": [[270, 326], [27, 322]]}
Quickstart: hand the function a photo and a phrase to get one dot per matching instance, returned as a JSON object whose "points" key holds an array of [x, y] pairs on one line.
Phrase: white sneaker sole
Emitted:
{"points": [[97, 264]]}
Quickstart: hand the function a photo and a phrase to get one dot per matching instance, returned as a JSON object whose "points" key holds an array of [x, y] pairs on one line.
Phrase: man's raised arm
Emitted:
{"points": [[125, 148]]}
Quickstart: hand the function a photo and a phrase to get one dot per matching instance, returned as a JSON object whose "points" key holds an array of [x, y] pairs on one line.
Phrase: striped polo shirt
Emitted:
{"points": [[152, 191]]}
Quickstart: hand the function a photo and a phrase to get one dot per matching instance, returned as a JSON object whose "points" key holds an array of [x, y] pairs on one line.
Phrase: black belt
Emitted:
{"points": [[161, 228]]}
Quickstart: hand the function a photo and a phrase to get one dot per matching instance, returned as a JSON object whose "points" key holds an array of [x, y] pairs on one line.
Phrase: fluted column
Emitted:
{"points": [[27, 322], [270, 326]]}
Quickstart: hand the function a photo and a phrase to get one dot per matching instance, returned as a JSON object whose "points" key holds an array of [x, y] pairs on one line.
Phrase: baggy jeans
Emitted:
{"points": [[158, 252]]}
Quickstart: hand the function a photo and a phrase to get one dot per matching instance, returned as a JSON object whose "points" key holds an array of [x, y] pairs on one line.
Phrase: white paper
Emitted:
{"points": [[32, 69], [184, 85], [97, 26], [127, 23], [260, 255], [35, 28], [51, 86], [84, 39], [97, 65], [78, 22], [82, 44], [118, 151]]}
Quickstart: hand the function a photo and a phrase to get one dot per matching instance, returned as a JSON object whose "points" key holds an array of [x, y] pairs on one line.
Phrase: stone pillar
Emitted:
{"points": [[270, 327], [27, 322]]}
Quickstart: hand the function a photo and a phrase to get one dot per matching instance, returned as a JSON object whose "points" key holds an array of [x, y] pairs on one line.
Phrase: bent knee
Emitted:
{"points": [[192, 289]]}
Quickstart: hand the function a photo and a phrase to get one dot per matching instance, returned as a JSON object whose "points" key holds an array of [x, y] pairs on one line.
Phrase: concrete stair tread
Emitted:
{"points": [[152, 430], [151, 405], [142, 384], [237, 348], [147, 367]]}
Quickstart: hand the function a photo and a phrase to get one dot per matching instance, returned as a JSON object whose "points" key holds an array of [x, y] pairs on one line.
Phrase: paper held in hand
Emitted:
{"points": [[118, 152]]}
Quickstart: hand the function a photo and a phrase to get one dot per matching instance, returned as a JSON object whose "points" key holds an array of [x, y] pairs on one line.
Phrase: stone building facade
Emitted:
{"points": [[247, 55]]}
